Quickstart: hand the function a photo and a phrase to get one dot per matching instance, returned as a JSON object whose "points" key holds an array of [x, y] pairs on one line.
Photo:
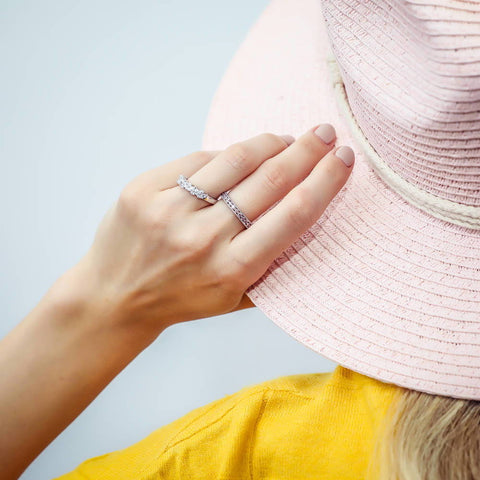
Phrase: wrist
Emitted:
{"points": [[77, 296], [74, 294]]}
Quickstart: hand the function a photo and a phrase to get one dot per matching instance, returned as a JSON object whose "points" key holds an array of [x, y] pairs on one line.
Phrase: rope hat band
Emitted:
{"points": [[458, 213]]}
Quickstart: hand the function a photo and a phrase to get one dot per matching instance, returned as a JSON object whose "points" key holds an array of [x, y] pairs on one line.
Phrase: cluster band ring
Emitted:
{"points": [[197, 192], [233, 207], [184, 183]]}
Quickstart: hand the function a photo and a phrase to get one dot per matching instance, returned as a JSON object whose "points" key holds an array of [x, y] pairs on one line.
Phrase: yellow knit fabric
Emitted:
{"points": [[307, 426]]}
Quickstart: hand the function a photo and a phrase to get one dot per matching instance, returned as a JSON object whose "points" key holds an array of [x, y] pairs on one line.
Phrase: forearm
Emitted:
{"points": [[53, 364]]}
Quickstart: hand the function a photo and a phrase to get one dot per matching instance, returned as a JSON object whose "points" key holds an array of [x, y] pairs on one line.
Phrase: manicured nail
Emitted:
{"points": [[288, 138], [326, 132], [346, 155]]}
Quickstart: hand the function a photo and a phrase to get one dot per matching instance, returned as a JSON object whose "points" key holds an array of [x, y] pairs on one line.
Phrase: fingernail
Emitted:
{"points": [[326, 132], [346, 155], [288, 138]]}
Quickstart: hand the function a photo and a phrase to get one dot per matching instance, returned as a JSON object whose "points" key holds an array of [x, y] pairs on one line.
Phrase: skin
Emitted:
{"points": [[149, 268]]}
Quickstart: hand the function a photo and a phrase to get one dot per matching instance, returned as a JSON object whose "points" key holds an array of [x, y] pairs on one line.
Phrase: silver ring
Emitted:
{"points": [[195, 191], [239, 214]]}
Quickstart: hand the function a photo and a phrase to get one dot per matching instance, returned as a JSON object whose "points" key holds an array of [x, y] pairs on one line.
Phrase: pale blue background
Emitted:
{"points": [[93, 93]]}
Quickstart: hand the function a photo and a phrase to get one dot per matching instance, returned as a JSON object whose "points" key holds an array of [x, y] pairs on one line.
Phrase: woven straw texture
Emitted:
{"points": [[387, 281]]}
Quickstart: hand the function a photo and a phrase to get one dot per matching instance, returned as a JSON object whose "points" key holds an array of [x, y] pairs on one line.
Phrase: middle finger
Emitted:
{"points": [[231, 166]]}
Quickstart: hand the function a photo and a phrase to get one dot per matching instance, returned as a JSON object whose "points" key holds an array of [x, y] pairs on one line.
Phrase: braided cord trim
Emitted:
{"points": [[457, 213]]}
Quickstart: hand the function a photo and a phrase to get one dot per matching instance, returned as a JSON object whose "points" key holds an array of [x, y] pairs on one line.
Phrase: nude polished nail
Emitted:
{"points": [[346, 155], [326, 132]]}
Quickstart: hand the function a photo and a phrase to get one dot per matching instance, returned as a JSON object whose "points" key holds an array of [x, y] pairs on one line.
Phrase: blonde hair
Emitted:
{"points": [[428, 437]]}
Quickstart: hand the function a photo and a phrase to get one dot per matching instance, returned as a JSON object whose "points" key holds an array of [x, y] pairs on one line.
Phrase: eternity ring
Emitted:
{"points": [[239, 214], [197, 192]]}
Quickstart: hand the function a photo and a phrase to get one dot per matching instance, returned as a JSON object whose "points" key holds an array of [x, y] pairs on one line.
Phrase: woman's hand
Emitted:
{"points": [[163, 256], [160, 256]]}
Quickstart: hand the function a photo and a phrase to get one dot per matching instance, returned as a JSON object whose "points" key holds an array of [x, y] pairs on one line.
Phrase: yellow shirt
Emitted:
{"points": [[306, 426]]}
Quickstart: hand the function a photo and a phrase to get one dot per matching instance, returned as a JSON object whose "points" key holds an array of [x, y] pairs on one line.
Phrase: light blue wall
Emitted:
{"points": [[92, 94]]}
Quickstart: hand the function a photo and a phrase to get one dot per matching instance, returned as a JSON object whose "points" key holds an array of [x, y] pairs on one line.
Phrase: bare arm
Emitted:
{"points": [[54, 363]]}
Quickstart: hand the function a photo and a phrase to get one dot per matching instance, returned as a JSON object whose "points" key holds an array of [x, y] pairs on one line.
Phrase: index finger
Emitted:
{"points": [[258, 246]]}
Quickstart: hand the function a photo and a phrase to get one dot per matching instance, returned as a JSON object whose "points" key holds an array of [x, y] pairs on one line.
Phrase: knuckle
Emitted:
{"points": [[239, 266], [187, 240], [234, 274], [302, 208], [183, 242], [153, 223], [238, 156], [310, 147], [202, 156], [275, 176], [130, 199], [271, 139]]}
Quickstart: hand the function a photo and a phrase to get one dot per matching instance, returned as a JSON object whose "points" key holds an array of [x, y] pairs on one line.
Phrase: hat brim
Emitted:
{"points": [[376, 284]]}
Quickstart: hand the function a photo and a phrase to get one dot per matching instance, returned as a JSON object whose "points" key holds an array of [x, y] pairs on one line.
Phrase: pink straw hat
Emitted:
{"points": [[387, 281]]}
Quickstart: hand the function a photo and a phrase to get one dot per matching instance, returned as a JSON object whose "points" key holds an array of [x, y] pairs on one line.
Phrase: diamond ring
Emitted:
{"points": [[197, 192]]}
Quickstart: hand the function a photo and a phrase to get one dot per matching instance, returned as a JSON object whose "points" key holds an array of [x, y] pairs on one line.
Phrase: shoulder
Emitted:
{"points": [[241, 410], [287, 392], [341, 394]]}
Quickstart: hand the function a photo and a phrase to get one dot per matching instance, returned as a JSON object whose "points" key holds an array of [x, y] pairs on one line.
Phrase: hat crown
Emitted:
{"points": [[411, 73]]}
